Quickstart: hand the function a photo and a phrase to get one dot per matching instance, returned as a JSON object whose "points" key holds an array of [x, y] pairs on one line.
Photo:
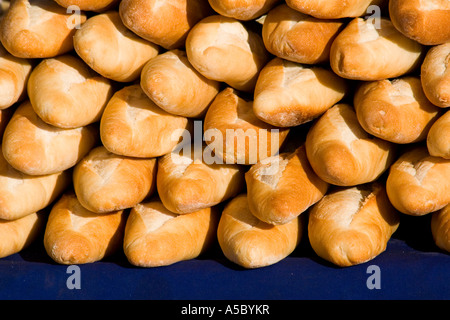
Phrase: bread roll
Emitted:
{"points": [[397, 111], [112, 50], [38, 28], [363, 52], [235, 134], [16, 235], [186, 182], [288, 94], [14, 73], [223, 49], [282, 187], [22, 195], [106, 182], [66, 93], [435, 75], [352, 225], [297, 37], [36, 148], [74, 235], [242, 9], [165, 23], [438, 141], [252, 243], [89, 5], [418, 183], [342, 153], [334, 9], [156, 237], [174, 85], [133, 125], [440, 226], [426, 22]]}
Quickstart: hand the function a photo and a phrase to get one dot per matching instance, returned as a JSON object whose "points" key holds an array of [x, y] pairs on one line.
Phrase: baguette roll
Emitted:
{"points": [[75, 235], [435, 75], [242, 9], [418, 183], [426, 22], [397, 111], [235, 134], [282, 187], [16, 235], [297, 37], [342, 153], [66, 93], [352, 225], [223, 49], [38, 191], [133, 125], [174, 85], [106, 182], [334, 9], [89, 5], [288, 94], [38, 28], [438, 142], [186, 182], [363, 52], [165, 23], [155, 236], [36, 148], [111, 49], [14, 74], [440, 228], [251, 243]]}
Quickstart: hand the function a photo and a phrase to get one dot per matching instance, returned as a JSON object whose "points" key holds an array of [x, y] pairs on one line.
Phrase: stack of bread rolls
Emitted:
{"points": [[159, 128]]}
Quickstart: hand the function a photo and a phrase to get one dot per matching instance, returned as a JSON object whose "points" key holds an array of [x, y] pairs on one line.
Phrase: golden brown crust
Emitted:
{"points": [[36, 148], [105, 182], [282, 187], [251, 243], [395, 110], [112, 50], [165, 23], [435, 75], [18, 234], [74, 235], [440, 228], [224, 49], [342, 153], [350, 226], [173, 84], [155, 237], [89, 5], [66, 93], [288, 94], [133, 125], [235, 134], [418, 183], [242, 9], [38, 29], [438, 143], [365, 52], [297, 37], [423, 21]]}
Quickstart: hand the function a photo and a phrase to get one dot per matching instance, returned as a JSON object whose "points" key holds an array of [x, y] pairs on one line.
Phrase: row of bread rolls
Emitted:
{"points": [[137, 125]]}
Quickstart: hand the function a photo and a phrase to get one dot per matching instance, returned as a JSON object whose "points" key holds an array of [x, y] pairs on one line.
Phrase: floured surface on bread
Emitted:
{"points": [[75, 235], [252, 243], [242, 9], [418, 183], [282, 187], [155, 236], [106, 182], [352, 225]]}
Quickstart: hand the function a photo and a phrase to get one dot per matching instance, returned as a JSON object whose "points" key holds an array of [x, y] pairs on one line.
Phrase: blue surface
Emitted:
{"points": [[411, 268]]}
